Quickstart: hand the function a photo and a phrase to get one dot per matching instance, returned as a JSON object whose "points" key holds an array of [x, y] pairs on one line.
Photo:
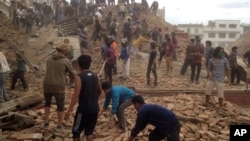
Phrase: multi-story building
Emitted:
{"points": [[192, 29], [220, 32], [223, 32]]}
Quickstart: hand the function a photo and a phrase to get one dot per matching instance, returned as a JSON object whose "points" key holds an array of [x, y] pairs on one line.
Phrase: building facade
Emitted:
{"points": [[220, 32], [192, 29]]}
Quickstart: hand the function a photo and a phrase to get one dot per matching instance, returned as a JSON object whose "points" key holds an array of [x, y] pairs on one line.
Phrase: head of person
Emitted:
{"points": [[84, 62], [129, 19], [234, 49], [197, 40], [192, 40], [62, 48], [218, 52], [137, 101], [66, 41], [173, 34], [111, 39], [208, 43], [124, 42], [106, 87]]}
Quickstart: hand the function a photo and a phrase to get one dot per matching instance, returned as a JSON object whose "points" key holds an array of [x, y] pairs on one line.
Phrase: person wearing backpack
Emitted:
{"points": [[234, 66], [113, 28], [127, 30]]}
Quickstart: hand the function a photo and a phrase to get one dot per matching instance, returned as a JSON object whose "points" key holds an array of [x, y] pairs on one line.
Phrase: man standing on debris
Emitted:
{"points": [[234, 66], [169, 56], [154, 7], [4, 72], [86, 92], [196, 52], [152, 64], [187, 60], [121, 99], [125, 53], [127, 30], [174, 42], [19, 73], [55, 81], [218, 66], [165, 121], [208, 52]]}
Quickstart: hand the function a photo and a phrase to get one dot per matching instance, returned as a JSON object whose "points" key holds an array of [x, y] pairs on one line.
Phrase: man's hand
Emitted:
{"points": [[67, 115]]}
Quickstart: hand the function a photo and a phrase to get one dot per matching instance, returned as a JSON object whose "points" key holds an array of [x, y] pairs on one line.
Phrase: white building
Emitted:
{"points": [[220, 32], [223, 32]]}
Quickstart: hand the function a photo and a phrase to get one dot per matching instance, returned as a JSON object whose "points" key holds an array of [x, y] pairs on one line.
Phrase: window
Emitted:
{"points": [[196, 30], [232, 35], [211, 35], [188, 30], [222, 25], [222, 35], [232, 25]]}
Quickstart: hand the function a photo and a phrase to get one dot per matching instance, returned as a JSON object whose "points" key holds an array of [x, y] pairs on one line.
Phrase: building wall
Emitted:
{"points": [[223, 32], [220, 32]]}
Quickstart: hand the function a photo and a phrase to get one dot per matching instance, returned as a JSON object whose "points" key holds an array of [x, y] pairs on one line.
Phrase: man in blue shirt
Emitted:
{"points": [[121, 99], [125, 58], [165, 122]]}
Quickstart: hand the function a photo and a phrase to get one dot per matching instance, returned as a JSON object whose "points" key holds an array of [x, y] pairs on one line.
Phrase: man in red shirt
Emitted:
{"points": [[169, 56]]}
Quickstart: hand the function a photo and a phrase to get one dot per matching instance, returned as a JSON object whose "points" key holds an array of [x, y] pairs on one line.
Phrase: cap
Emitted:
{"points": [[62, 47], [124, 40]]}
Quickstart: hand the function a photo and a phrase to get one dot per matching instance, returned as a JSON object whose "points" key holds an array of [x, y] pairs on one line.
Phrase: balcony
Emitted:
{"points": [[216, 29]]}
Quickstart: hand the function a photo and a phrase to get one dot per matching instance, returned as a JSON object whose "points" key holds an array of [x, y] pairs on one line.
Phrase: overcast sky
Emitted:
{"points": [[200, 11]]}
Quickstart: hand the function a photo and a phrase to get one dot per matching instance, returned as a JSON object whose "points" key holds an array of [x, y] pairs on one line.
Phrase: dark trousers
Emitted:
{"points": [[185, 65], [115, 67], [18, 74], [153, 70], [195, 68], [157, 135], [108, 72], [235, 72], [162, 54]]}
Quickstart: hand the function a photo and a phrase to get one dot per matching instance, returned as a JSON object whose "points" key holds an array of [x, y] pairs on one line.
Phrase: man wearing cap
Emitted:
{"points": [[196, 54], [54, 83], [125, 58]]}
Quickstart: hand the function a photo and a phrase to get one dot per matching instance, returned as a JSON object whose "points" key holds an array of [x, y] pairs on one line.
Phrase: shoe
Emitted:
{"points": [[197, 82], [59, 128], [46, 125]]}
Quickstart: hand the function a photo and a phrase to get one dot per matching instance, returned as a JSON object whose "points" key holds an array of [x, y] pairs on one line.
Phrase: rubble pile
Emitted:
{"points": [[198, 122]]}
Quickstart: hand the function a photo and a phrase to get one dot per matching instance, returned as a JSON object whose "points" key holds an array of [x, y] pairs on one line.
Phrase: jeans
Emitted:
{"points": [[120, 112], [157, 135], [125, 68], [195, 67], [184, 67], [4, 96]]}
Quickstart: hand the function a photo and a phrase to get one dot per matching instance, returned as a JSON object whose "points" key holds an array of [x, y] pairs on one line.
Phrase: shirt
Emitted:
{"points": [[156, 115], [169, 49], [88, 98], [4, 66], [125, 53], [218, 68], [247, 56], [196, 52], [118, 94], [139, 41], [115, 48], [110, 55], [152, 57]]}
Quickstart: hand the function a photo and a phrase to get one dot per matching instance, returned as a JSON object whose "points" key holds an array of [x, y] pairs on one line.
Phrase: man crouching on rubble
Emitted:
{"points": [[165, 122]]}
